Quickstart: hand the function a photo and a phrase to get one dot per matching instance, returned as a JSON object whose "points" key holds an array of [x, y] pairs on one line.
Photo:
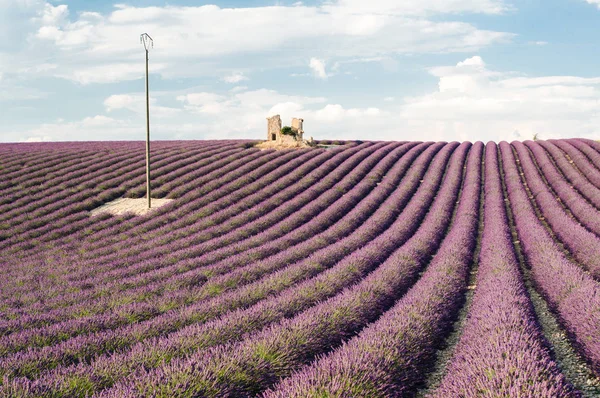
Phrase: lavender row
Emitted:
{"points": [[66, 189], [321, 222], [176, 172], [263, 312], [52, 229], [220, 182], [579, 160], [579, 182], [249, 295], [29, 190], [221, 241], [572, 293], [55, 182], [188, 211], [92, 280], [577, 205], [47, 195], [38, 160], [593, 144], [18, 252], [391, 356], [204, 162], [182, 208], [14, 162], [121, 227], [44, 162], [45, 202], [195, 276], [21, 194], [74, 294], [123, 181], [275, 352], [39, 215], [221, 171], [192, 271], [102, 185], [590, 153], [583, 244], [502, 350], [106, 370], [40, 202], [214, 214]]}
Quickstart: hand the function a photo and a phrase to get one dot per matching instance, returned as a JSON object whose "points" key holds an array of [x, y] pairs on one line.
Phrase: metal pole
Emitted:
{"points": [[148, 42], [147, 136]]}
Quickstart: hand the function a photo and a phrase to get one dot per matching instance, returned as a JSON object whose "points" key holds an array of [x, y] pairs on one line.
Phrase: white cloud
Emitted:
{"points": [[43, 67], [56, 27], [137, 103], [475, 61], [521, 82], [210, 115], [121, 101], [472, 102], [52, 15], [127, 15], [43, 138], [98, 120], [89, 15], [17, 20], [596, 2], [237, 89], [50, 33], [336, 113], [204, 102], [265, 97], [318, 68], [200, 98], [235, 78], [88, 129], [245, 105], [12, 90], [243, 114], [199, 41], [330, 113], [477, 103], [425, 7], [290, 109], [109, 73]]}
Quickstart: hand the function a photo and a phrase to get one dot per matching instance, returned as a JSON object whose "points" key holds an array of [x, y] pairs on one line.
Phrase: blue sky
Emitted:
{"points": [[382, 69]]}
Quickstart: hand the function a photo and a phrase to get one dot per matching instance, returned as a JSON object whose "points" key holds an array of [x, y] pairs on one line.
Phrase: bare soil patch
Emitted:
{"points": [[138, 206], [283, 145]]}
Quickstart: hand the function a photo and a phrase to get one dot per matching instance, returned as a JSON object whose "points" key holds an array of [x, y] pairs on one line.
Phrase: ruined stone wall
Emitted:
{"points": [[287, 139], [297, 127], [273, 128]]}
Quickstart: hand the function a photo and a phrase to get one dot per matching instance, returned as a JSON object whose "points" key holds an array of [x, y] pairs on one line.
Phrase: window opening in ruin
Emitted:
{"points": [[273, 137]]}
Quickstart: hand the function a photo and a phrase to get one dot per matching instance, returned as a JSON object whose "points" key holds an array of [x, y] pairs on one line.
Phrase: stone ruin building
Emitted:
{"points": [[274, 130]]}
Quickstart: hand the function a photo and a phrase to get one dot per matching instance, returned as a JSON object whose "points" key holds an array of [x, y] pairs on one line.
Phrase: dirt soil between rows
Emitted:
{"points": [[137, 206]]}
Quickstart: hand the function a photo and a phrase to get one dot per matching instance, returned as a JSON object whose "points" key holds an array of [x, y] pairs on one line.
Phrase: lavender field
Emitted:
{"points": [[370, 269]]}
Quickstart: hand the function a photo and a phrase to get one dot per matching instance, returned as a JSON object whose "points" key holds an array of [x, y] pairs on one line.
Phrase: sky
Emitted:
{"points": [[440, 70]]}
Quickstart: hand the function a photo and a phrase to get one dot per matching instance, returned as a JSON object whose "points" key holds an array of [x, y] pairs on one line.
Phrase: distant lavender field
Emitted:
{"points": [[370, 269]]}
